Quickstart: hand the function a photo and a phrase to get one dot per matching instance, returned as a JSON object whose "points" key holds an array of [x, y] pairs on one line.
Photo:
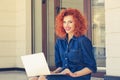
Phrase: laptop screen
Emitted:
{"points": [[35, 64]]}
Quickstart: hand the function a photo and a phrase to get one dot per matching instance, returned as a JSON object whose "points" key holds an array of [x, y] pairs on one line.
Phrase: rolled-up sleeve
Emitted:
{"points": [[88, 55]]}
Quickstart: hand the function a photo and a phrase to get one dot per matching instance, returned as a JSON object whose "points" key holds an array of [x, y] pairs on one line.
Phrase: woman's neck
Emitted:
{"points": [[69, 37]]}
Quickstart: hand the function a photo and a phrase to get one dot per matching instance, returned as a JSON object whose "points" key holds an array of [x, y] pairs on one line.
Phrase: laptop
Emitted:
{"points": [[36, 65]]}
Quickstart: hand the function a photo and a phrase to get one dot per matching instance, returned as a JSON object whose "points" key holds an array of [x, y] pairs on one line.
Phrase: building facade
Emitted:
{"points": [[27, 27]]}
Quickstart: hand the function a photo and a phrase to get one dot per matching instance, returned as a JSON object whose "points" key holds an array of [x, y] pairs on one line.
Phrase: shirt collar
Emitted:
{"points": [[74, 38]]}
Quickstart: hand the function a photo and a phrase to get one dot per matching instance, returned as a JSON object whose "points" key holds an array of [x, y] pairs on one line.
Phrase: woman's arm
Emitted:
{"points": [[82, 72], [58, 70]]}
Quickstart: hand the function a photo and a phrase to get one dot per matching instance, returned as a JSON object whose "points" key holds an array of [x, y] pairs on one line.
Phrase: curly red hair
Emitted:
{"points": [[80, 22]]}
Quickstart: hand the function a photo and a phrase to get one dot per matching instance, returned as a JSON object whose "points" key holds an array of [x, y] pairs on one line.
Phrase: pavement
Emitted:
{"points": [[21, 75]]}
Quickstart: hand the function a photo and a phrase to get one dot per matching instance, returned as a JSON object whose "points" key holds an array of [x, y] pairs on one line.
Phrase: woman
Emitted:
{"points": [[73, 50]]}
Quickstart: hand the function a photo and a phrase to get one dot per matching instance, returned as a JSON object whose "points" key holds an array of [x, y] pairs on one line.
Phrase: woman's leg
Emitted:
{"points": [[42, 78], [59, 77], [33, 78], [38, 78]]}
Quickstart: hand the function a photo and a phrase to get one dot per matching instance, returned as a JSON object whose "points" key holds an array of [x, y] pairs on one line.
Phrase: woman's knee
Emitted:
{"points": [[51, 78]]}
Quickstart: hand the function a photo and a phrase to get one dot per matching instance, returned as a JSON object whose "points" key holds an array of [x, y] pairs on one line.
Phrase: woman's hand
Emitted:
{"points": [[58, 70], [68, 72]]}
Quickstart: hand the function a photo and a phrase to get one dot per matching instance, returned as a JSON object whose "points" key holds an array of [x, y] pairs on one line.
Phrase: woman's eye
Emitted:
{"points": [[64, 22], [70, 21]]}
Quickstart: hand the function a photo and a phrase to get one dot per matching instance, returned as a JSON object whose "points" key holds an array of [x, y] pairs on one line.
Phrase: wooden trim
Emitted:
{"points": [[87, 12], [44, 27], [32, 26], [56, 11], [11, 69], [56, 7]]}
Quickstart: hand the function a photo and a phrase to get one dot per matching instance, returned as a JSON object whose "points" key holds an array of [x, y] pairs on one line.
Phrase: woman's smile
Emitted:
{"points": [[67, 28]]}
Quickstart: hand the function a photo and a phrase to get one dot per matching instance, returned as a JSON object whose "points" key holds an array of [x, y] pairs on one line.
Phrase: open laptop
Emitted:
{"points": [[36, 65]]}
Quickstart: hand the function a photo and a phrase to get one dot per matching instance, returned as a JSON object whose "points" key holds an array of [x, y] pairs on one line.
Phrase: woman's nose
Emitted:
{"points": [[67, 24]]}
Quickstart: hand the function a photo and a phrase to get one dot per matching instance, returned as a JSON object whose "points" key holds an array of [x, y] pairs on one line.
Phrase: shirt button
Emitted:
{"points": [[65, 58], [65, 52], [67, 46], [65, 64]]}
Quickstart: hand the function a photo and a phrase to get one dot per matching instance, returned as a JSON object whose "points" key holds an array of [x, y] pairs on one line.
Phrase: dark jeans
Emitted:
{"points": [[64, 77]]}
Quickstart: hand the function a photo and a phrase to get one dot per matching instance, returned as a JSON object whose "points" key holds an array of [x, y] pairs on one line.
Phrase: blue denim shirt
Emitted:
{"points": [[75, 55]]}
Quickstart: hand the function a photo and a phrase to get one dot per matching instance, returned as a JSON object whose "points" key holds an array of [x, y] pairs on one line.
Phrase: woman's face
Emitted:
{"points": [[69, 24]]}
